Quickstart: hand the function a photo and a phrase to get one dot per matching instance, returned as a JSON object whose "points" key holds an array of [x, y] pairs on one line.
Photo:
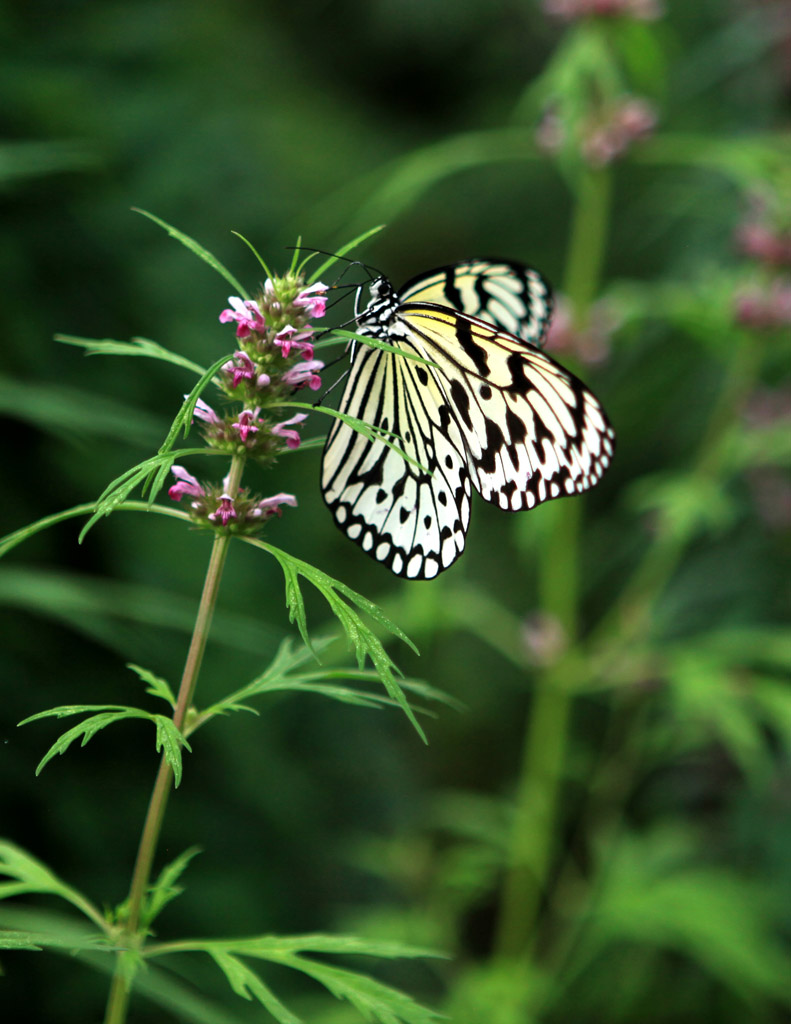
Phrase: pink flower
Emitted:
{"points": [[247, 314], [225, 512], [246, 423], [304, 373], [762, 243], [315, 304], [765, 308], [240, 368], [269, 293], [289, 337], [291, 437], [271, 506], [592, 343], [205, 412], [631, 120], [569, 10], [187, 484]]}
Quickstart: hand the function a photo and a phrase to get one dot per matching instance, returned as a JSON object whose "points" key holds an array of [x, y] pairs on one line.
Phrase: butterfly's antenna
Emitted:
{"points": [[371, 272], [331, 388]]}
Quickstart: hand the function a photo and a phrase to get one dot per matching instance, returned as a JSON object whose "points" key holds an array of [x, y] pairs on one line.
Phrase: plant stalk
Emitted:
{"points": [[546, 735], [132, 938]]}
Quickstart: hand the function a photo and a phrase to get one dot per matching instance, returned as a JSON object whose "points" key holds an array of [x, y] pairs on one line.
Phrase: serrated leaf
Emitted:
{"points": [[170, 740], [116, 492], [246, 983], [133, 347], [165, 889], [374, 1000], [364, 642], [157, 686], [86, 729]]}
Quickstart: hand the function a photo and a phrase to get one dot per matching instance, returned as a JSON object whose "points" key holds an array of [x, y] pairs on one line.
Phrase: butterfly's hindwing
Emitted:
{"points": [[493, 412], [413, 521], [511, 296]]}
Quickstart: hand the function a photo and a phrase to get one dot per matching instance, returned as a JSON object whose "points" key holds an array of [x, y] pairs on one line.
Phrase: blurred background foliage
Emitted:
{"points": [[604, 833]]}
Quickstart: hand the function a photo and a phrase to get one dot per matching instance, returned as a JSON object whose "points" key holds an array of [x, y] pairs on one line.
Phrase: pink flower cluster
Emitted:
{"points": [[275, 357], [571, 10], [630, 121], [764, 243], [603, 138], [765, 308], [221, 508], [590, 345]]}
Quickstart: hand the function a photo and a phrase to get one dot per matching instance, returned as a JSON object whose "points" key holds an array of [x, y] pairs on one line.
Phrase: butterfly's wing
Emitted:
{"points": [[493, 411], [512, 296], [531, 430], [411, 520]]}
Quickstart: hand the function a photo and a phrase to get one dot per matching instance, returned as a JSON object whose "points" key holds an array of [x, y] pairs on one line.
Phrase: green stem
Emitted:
{"points": [[631, 616], [132, 938], [546, 736]]}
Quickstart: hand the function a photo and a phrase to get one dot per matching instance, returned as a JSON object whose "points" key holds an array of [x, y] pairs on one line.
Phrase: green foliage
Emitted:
{"points": [[373, 1000], [169, 739], [651, 785], [341, 600]]}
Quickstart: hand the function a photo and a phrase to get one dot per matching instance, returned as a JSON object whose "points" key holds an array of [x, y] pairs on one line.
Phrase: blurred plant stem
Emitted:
{"points": [[630, 617], [132, 937], [535, 816]]}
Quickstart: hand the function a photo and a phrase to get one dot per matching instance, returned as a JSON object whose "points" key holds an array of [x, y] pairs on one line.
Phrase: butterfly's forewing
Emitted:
{"points": [[532, 431], [512, 296], [492, 410]]}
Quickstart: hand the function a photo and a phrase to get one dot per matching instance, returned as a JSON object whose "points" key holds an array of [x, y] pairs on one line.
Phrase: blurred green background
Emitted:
{"points": [[653, 796]]}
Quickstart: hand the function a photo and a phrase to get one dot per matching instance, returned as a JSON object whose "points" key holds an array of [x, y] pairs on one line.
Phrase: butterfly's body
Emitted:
{"points": [[484, 408]]}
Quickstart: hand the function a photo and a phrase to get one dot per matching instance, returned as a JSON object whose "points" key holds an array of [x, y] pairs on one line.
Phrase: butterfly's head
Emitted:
{"points": [[382, 303]]}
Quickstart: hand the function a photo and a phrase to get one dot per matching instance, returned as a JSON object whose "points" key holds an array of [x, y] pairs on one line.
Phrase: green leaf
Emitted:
{"points": [[59, 409], [340, 599], [246, 983], [368, 430], [23, 160], [30, 875], [165, 889], [654, 893], [371, 342], [18, 940], [150, 474], [170, 740], [282, 675], [134, 347], [198, 249], [157, 686], [372, 999], [339, 253], [168, 737], [255, 253]]}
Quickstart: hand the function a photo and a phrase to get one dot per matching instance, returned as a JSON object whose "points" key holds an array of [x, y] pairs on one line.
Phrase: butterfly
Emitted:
{"points": [[481, 407]]}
